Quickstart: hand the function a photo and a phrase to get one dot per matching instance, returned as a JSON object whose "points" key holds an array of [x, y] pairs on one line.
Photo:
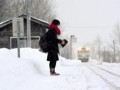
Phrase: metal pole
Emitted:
{"points": [[104, 53], [71, 47], [99, 50], [114, 59], [28, 26], [28, 31], [18, 30], [18, 37]]}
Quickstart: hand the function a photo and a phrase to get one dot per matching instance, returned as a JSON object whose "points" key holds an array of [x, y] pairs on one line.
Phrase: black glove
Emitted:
{"points": [[64, 42]]}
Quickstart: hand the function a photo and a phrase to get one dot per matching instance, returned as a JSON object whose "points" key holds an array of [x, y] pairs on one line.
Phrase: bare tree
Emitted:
{"points": [[116, 44], [107, 55], [98, 46], [93, 52], [42, 9], [2, 3]]}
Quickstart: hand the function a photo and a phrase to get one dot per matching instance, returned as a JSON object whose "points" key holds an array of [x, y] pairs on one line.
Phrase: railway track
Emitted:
{"points": [[107, 71], [112, 79]]}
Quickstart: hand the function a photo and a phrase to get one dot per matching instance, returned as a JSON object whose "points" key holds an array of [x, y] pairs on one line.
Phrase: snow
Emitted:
{"points": [[31, 72], [114, 67]]}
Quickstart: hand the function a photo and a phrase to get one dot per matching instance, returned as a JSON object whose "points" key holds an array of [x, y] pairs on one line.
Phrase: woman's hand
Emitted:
{"points": [[63, 42]]}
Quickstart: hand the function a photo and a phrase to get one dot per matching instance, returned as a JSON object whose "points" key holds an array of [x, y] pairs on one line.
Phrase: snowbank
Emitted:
{"points": [[31, 72]]}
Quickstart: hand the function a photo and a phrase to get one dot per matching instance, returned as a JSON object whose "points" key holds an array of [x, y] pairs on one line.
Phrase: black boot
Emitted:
{"points": [[56, 73], [52, 72]]}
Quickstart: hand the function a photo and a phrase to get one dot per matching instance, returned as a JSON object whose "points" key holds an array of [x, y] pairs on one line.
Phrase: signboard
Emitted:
{"points": [[14, 26]]}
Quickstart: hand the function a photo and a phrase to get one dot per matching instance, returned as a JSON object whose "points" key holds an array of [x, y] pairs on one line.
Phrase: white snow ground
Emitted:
{"points": [[31, 72]]}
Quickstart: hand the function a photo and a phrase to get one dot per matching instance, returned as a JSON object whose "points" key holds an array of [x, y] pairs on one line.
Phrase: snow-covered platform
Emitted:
{"points": [[31, 72]]}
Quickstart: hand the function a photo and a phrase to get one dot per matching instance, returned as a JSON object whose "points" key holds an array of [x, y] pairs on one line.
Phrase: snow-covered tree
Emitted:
{"points": [[43, 9], [98, 44], [116, 43]]}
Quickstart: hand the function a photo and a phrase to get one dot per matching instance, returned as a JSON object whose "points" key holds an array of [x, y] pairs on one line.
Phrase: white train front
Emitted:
{"points": [[83, 54]]}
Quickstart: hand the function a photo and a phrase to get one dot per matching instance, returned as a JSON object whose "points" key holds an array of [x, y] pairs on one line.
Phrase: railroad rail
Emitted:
{"points": [[97, 71]]}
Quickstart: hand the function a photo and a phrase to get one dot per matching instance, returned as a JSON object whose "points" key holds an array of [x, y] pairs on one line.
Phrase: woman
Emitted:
{"points": [[53, 42]]}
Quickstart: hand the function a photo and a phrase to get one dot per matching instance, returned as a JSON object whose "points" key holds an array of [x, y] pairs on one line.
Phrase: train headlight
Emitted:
{"points": [[87, 49], [79, 49]]}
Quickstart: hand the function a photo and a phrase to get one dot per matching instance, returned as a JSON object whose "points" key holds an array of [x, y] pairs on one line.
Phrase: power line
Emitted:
{"points": [[87, 27]]}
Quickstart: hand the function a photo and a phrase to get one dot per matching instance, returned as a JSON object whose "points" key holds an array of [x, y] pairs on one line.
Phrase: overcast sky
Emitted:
{"points": [[88, 18]]}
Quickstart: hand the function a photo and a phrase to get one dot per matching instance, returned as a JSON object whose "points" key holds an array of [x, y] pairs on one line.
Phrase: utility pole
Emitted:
{"points": [[114, 57], [99, 51], [28, 24], [104, 53], [71, 41]]}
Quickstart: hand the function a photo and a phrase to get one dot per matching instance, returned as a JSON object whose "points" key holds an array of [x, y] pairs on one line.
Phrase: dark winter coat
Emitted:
{"points": [[53, 42]]}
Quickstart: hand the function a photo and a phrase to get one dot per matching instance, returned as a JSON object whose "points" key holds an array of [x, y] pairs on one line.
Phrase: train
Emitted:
{"points": [[83, 54]]}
